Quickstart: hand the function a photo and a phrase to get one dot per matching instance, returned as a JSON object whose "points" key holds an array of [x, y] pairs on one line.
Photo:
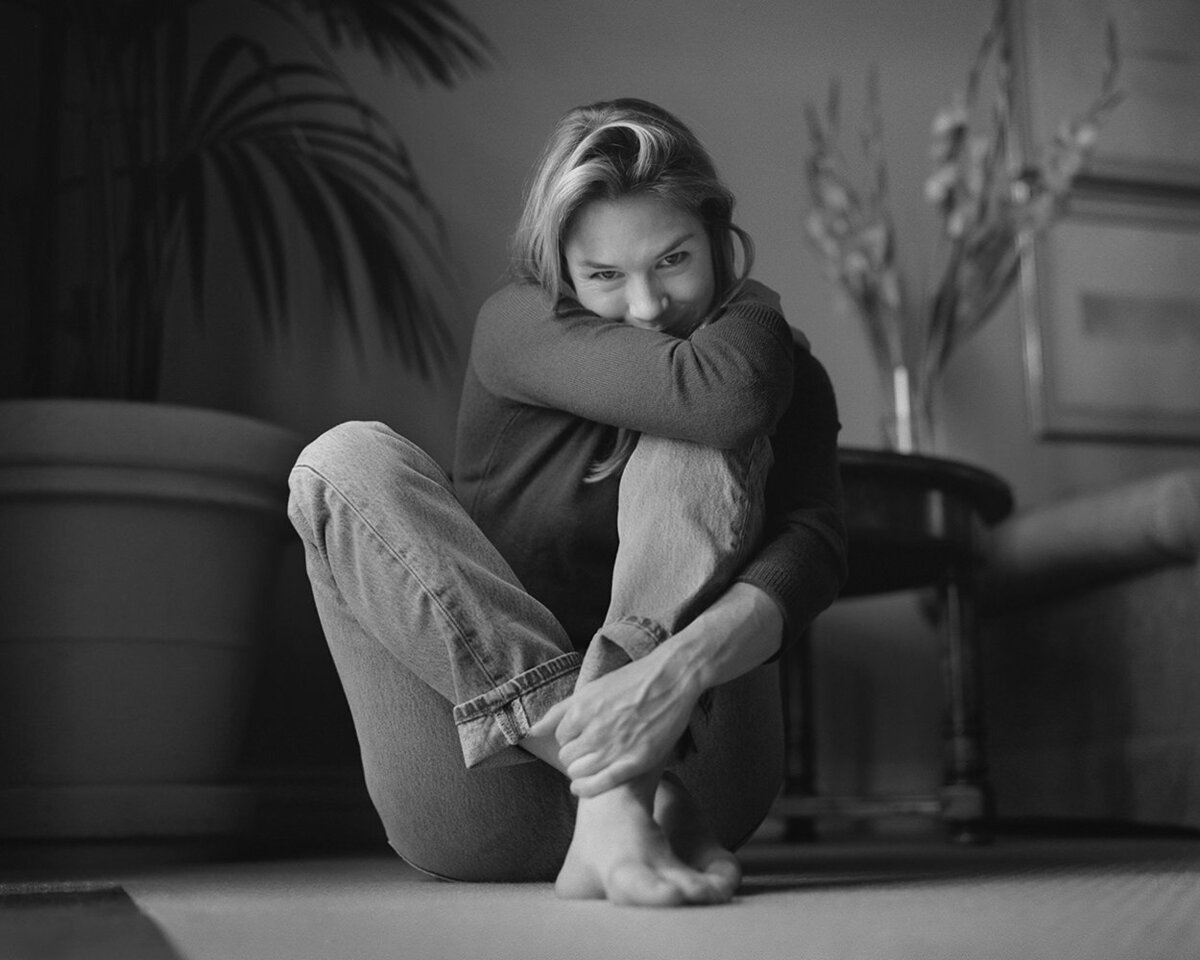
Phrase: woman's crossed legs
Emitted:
{"points": [[445, 658]]}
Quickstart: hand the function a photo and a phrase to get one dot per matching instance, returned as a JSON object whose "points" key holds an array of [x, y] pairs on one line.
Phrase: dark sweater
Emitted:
{"points": [[546, 389]]}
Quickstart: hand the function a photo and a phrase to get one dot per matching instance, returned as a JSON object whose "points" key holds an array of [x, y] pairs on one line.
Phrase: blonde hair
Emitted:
{"points": [[606, 151]]}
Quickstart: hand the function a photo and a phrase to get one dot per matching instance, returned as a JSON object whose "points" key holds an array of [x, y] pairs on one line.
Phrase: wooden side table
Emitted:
{"points": [[913, 522]]}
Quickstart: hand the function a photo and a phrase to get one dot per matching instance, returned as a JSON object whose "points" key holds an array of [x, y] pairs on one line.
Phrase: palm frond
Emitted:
{"points": [[193, 198], [429, 39], [286, 145], [401, 298], [319, 222], [291, 125], [246, 193], [206, 95]]}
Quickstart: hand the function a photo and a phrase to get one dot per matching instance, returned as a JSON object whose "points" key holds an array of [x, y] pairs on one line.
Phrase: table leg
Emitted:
{"points": [[796, 675], [966, 794]]}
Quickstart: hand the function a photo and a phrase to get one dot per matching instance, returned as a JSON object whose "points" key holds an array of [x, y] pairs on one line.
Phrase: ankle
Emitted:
{"points": [[627, 805]]}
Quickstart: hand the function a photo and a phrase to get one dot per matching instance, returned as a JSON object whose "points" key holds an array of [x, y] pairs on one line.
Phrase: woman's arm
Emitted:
{"points": [[729, 382], [801, 561], [628, 721]]}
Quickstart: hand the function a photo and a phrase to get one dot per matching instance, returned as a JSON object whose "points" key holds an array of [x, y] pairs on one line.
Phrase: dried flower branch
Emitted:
{"points": [[989, 206]]}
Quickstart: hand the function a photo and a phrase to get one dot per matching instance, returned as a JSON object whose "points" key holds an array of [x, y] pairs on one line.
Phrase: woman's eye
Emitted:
{"points": [[675, 259], [604, 275]]}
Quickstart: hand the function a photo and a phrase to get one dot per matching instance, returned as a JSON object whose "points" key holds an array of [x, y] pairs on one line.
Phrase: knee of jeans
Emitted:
{"points": [[342, 443], [358, 446], [745, 466]]}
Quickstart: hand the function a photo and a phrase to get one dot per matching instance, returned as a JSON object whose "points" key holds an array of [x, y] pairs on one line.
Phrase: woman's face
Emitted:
{"points": [[642, 261]]}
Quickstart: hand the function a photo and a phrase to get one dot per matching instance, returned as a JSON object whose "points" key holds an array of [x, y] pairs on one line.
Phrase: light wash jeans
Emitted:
{"points": [[446, 661]]}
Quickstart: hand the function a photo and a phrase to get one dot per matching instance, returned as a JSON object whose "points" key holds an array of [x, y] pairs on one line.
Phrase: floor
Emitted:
{"points": [[1020, 898]]}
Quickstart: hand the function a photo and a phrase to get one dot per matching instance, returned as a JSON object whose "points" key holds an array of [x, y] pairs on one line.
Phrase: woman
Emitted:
{"points": [[561, 665]]}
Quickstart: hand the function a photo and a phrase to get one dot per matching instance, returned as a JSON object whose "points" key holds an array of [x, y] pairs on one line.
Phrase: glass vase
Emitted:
{"points": [[908, 425]]}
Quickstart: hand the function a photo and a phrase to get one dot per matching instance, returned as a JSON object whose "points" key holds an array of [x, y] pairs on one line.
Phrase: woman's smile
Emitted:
{"points": [[642, 261]]}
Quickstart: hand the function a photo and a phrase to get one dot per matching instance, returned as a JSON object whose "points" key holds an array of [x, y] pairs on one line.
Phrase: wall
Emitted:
{"points": [[738, 73]]}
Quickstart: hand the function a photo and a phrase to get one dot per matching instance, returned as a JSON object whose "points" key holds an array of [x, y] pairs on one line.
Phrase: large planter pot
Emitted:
{"points": [[138, 544]]}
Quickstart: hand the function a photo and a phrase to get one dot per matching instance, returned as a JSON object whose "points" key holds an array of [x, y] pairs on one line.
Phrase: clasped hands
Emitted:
{"points": [[622, 724]]}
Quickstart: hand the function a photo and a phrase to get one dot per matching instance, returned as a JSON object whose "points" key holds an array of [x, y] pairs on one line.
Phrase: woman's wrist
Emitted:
{"points": [[740, 631], [684, 665]]}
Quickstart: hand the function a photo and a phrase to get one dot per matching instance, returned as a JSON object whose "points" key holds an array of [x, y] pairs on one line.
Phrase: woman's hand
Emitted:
{"points": [[627, 722], [622, 724]]}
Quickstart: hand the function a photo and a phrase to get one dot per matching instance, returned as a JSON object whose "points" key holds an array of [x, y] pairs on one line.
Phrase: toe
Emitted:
{"points": [[697, 887], [725, 876], [631, 883], [724, 869]]}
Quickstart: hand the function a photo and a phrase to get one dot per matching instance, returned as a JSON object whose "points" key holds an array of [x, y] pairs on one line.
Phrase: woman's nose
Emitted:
{"points": [[646, 302]]}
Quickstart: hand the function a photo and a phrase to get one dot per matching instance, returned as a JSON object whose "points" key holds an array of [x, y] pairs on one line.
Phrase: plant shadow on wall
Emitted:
{"points": [[137, 155], [992, 201], [142, 540]]}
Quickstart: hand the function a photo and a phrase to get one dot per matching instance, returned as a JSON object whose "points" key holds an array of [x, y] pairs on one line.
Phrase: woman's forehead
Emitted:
{"points": [[635, 226]]}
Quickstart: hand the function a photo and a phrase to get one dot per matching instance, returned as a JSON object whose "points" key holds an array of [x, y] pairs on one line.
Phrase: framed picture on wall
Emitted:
{"points": [[1111, 315], [1154, 134]]}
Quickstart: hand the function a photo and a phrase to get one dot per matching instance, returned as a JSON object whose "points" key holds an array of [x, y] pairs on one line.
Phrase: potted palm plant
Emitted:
{"points": [[139, 537]]}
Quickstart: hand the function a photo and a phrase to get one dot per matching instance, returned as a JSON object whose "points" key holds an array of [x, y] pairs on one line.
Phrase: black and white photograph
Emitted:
{"points": [[658, 479]]}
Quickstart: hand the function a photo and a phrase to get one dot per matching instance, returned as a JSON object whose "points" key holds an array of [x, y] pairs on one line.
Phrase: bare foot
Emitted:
{"points": [[618, 852], [693, 841]]}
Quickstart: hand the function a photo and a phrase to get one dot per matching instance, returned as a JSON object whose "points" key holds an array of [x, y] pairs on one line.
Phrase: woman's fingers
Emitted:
{"points": [[561, 722], [583, 766], [611, 776], [586, 754], [603, 767], [550, 720], [574, 750], [572, 723], [616, 727]]}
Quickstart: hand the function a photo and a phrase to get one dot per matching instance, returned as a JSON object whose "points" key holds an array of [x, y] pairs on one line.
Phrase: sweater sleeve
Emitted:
{"points": [[727, 383], [802, 561]]}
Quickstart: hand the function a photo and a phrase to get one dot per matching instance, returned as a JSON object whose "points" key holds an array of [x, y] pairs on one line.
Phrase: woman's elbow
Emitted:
{"points": [[744, 420]]}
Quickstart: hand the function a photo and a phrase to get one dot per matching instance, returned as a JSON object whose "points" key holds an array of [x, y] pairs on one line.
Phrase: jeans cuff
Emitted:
{"points": [[617, 644], [637, 636], [494, 721]]}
